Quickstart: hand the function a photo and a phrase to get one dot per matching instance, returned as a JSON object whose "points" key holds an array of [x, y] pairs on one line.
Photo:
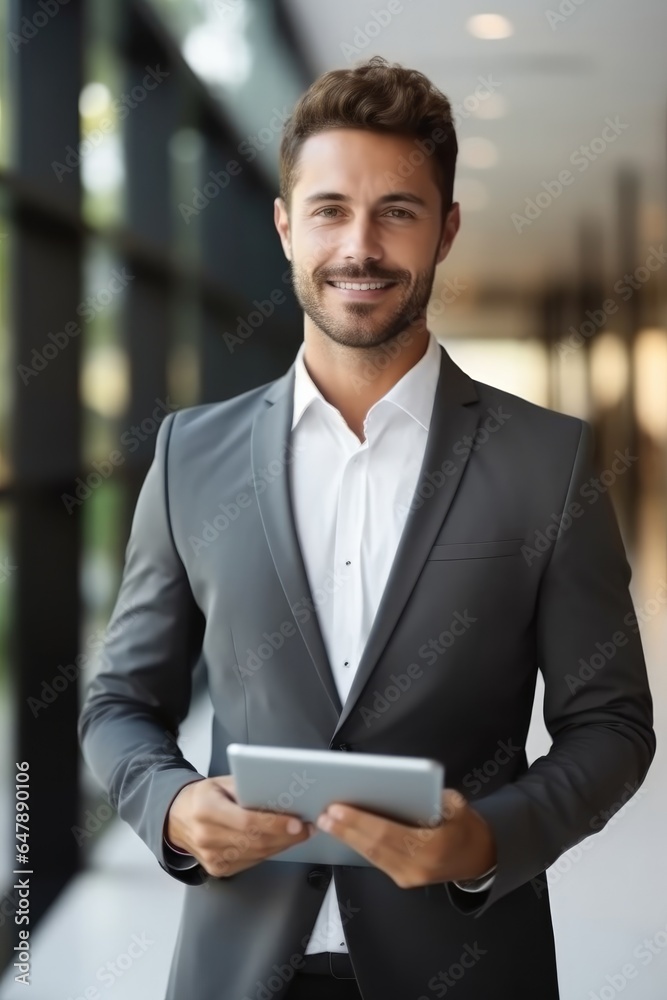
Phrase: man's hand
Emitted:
{"points": [[462, 847], [205, 820]]}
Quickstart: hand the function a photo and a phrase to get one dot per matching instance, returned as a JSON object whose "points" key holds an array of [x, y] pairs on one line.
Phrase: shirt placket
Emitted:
{"points": [[348, 600]]}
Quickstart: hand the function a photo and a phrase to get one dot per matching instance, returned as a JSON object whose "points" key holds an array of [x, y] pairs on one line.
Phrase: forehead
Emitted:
{"points": [[363, 162]]}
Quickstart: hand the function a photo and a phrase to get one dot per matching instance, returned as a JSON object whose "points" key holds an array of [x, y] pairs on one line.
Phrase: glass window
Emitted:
{"points": [[102, 113], [7, 734], [7, 50], [6, 375]]}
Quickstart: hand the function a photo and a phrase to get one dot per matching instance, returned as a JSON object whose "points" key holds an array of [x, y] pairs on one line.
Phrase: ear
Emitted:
{"points": [[449, 231], [281, 219]]}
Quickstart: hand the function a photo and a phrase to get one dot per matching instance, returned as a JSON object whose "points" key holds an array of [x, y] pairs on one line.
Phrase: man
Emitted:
{"points": [[399, 549]]}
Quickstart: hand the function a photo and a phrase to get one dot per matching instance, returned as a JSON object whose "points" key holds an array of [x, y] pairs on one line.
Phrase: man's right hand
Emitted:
{"points": [[205, 820]]}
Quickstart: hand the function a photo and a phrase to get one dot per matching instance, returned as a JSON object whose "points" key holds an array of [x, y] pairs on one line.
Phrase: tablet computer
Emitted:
{"points": [[304, 782]]}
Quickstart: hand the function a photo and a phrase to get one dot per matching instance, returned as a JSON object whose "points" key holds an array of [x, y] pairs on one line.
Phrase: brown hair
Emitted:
{"points": [[376, 96]]}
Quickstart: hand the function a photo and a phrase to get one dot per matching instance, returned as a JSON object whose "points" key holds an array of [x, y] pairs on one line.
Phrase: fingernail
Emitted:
{"points": [[294, 826]]}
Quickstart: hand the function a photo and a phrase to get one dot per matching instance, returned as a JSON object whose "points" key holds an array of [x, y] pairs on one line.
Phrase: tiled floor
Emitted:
{"points": [[111, 935]]}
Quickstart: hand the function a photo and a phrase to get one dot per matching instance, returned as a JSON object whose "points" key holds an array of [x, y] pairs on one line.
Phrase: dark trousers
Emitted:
{"points": [[324, 977]]}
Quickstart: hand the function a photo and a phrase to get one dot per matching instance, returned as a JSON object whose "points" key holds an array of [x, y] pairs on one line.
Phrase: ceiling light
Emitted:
{"points": [[609, 369], [217, 55], [493, 106], [471, 193], [102, 166], [490, 26], [478, 153], [650, 376], [94, 100]]}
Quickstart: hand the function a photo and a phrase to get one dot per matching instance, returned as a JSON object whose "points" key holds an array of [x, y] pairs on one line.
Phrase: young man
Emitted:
{"points": [[408, 548]]}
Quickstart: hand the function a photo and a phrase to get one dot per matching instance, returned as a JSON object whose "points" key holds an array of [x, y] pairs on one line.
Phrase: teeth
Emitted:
{"points": [[356, 286]]}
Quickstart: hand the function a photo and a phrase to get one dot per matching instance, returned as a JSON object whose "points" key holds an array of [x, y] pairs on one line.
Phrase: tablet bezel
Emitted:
{"points": [[406, 789]]}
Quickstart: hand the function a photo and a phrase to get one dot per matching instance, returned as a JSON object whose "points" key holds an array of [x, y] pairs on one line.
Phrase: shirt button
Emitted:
{"points": [[318, 879], [347, 663], [347, 562]]}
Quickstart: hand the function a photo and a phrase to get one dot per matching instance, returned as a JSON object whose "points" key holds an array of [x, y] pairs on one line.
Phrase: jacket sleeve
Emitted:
{"points": [[597, 703], [133, 708]]}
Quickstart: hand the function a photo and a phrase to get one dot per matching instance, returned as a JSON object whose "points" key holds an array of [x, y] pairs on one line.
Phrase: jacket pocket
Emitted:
{"points": [[476, 550]]}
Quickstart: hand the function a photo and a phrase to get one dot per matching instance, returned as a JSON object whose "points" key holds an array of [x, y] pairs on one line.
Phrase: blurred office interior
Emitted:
{"points": [[132, 258]]}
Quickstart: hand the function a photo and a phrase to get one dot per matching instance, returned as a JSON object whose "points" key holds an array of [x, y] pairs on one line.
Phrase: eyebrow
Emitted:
{"points": [[393, 196]]}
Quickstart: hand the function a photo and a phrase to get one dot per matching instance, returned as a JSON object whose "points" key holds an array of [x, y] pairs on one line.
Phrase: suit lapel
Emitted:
{"points": [[270, 441], [453, 419]]}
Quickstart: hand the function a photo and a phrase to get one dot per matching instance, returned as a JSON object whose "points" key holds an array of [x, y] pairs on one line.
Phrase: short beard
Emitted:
{"points": [[360, 329]]}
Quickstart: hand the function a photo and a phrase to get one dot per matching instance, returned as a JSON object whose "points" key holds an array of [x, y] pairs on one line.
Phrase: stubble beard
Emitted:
{"points": [[354, 324]]}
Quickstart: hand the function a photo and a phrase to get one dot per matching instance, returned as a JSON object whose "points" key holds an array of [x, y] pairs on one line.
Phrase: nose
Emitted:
{"points": [[360, 242]]}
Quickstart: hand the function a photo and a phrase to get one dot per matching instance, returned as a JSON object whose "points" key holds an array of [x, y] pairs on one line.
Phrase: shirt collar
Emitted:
{"points": [[413, 393]]}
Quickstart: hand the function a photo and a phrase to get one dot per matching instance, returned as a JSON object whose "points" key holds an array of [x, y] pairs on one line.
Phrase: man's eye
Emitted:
{"points": [[331, 208]]}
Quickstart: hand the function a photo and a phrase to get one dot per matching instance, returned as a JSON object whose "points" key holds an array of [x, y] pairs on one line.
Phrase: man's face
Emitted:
{"points": [[353, 218]]}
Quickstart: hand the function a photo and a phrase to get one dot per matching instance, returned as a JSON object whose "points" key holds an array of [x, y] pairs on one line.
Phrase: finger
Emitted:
{"points": [[226, 851], [228, 812], [375, 837]]}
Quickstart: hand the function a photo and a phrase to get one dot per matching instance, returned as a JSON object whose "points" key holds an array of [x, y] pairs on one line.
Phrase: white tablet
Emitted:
{"points": [[304, 782]]}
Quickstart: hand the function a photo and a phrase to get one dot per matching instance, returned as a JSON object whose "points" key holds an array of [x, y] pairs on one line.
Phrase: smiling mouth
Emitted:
{"points": [[362, 287]]}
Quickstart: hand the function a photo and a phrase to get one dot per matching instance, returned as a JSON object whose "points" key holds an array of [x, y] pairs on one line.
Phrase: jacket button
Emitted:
{"points": [[343, 746], [318, 879]]}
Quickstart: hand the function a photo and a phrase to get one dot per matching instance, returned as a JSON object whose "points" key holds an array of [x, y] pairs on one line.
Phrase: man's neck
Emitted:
{"points": [[352, 379]]}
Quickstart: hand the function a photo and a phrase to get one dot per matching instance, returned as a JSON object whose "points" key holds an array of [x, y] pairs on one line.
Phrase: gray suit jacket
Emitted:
{"points": [[490, 584]]}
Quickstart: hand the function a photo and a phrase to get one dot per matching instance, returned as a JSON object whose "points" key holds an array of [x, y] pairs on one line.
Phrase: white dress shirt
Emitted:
{"points": [[350, 500]]}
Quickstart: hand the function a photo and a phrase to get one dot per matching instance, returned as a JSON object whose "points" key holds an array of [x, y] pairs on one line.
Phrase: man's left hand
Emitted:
{"points": [[458, 845]]}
